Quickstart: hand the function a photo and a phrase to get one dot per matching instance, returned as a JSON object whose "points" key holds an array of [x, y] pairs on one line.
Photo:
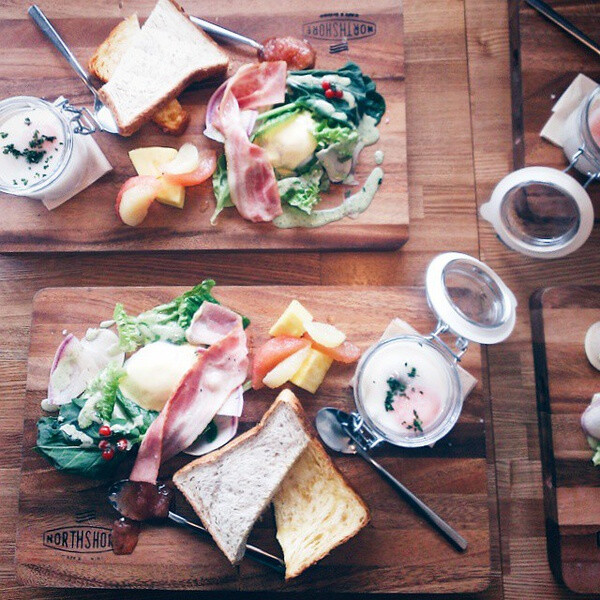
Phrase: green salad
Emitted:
{"points": [[97, 430], [313, 139]]}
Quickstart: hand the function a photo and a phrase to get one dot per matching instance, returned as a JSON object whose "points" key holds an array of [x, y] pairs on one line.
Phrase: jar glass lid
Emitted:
{"points": [[541, 212], [470, 298]]}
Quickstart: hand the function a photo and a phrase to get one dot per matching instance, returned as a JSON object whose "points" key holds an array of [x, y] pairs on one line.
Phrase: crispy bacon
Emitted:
{"points": [[251, 178], [206, 386]]}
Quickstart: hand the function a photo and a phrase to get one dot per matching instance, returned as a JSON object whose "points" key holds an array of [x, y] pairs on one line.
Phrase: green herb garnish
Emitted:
{"points": [[396, 388]]}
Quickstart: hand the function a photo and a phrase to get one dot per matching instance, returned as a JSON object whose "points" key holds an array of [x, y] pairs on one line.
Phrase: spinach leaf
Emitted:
{"points": [[304, 88], [221, 188], [74, 449]]}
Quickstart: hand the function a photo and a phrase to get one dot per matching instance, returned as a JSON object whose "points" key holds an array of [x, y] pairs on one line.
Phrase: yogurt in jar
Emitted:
{"points": [[40, 156], [403, 387]]}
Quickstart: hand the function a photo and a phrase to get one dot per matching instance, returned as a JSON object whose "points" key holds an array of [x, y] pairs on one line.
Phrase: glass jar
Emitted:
{"points": [[64, 163], [581, 135], [407, 388]]}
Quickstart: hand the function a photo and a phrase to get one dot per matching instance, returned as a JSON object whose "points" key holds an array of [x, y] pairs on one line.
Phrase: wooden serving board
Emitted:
{"points": [[369, 33], [64, 520], [565, 383]]}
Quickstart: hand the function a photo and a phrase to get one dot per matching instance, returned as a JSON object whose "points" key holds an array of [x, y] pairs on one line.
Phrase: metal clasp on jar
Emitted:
{"points": [[582, 152], [81, 118], [461, 344]]}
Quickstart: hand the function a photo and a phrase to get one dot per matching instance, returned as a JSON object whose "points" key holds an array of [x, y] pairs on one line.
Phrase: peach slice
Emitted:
{"points": [[207, 163], [135, 197], [187, 160]]}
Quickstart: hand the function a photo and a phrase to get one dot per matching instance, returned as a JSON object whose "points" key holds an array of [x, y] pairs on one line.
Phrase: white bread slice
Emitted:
{"points": [[315, 510], [165, 57], [230, 488]]}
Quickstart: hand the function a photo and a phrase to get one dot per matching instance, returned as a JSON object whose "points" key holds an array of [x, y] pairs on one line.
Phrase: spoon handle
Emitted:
{"points": [[252, 552], [225, 33], [47, 28], [451, 534]]}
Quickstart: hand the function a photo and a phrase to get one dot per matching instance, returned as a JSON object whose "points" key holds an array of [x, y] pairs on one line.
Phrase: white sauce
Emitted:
{"points": [[420, 402], [77, 436]]}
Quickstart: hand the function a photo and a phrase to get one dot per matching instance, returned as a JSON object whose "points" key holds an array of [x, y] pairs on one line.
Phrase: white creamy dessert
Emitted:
{"points": [[40, 157], [404, 387]]}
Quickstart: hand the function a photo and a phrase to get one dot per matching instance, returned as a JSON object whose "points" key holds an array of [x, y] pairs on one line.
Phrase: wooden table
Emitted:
{"points": [[460, 144]]}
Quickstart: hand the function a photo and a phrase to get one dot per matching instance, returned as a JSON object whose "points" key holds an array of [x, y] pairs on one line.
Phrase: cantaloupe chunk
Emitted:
{"points": [[286, 369]]}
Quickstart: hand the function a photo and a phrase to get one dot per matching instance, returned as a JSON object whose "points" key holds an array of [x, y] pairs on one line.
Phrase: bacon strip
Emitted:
{"points": [[251, 178], [203, 390]]}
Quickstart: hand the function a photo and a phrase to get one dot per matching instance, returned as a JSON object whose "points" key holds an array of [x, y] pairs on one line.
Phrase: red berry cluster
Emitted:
{"points": [[331, 92], [108, 451]]}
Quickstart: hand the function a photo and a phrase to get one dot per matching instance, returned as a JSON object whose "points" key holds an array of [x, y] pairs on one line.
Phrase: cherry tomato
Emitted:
{"points": [[325, 85], [329, 93], [108, 453], [103, 444], [104, 430], [122, 445]]}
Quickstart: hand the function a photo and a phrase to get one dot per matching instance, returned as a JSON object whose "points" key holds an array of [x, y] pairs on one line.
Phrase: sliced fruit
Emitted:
{"points": [[206, 167], [292, 321], [311, 373], [346, 352], [135, 197], [286, 369], [186, 161], [147, 161], [325, 334], [270, 354]]}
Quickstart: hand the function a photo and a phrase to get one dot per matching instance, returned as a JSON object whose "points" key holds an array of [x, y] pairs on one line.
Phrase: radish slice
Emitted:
{"points": [[103, 346], [590, 419], [77, 362], [234, 405], [71, 371], [226, 430]]}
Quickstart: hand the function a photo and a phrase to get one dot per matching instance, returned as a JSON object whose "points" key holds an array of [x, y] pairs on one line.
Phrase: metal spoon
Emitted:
{"points": [[226, 33], [335, 430], [101, 114], [252, 552]]}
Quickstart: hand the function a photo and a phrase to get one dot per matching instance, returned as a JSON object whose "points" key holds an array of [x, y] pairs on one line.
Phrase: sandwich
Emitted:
{"points": [[173, 118], [167, 54], [231, 487]]}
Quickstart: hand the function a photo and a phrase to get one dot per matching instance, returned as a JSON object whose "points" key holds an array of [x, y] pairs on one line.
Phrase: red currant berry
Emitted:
{"points": [[329, 93], [104, 430], [108, 453], [339, 94], [325, 85], [103, 444], [122, 445]]}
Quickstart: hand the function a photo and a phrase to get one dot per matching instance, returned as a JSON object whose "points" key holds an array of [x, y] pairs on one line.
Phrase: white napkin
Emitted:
{"points": [[400, 327], [580, 87], [97, 166]]}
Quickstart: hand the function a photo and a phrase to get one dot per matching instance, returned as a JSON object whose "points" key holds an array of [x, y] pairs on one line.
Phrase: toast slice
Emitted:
{"points": [[230, 488], [315, 510], [166, 55], [173, 118]]}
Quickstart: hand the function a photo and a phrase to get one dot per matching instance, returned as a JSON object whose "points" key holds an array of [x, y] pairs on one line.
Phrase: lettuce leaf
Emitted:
{"points": [[100, 396], [302, 191], [167, 322], [220, 188]]}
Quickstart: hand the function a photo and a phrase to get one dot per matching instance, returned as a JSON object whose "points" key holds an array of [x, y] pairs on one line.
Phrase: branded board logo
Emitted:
{"points": [[80, 539], [339, 27]]}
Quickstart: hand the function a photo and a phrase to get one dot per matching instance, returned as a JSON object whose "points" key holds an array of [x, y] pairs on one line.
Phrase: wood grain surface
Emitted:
{"points": [[397, 551], [565, 383], [89, 222]]}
